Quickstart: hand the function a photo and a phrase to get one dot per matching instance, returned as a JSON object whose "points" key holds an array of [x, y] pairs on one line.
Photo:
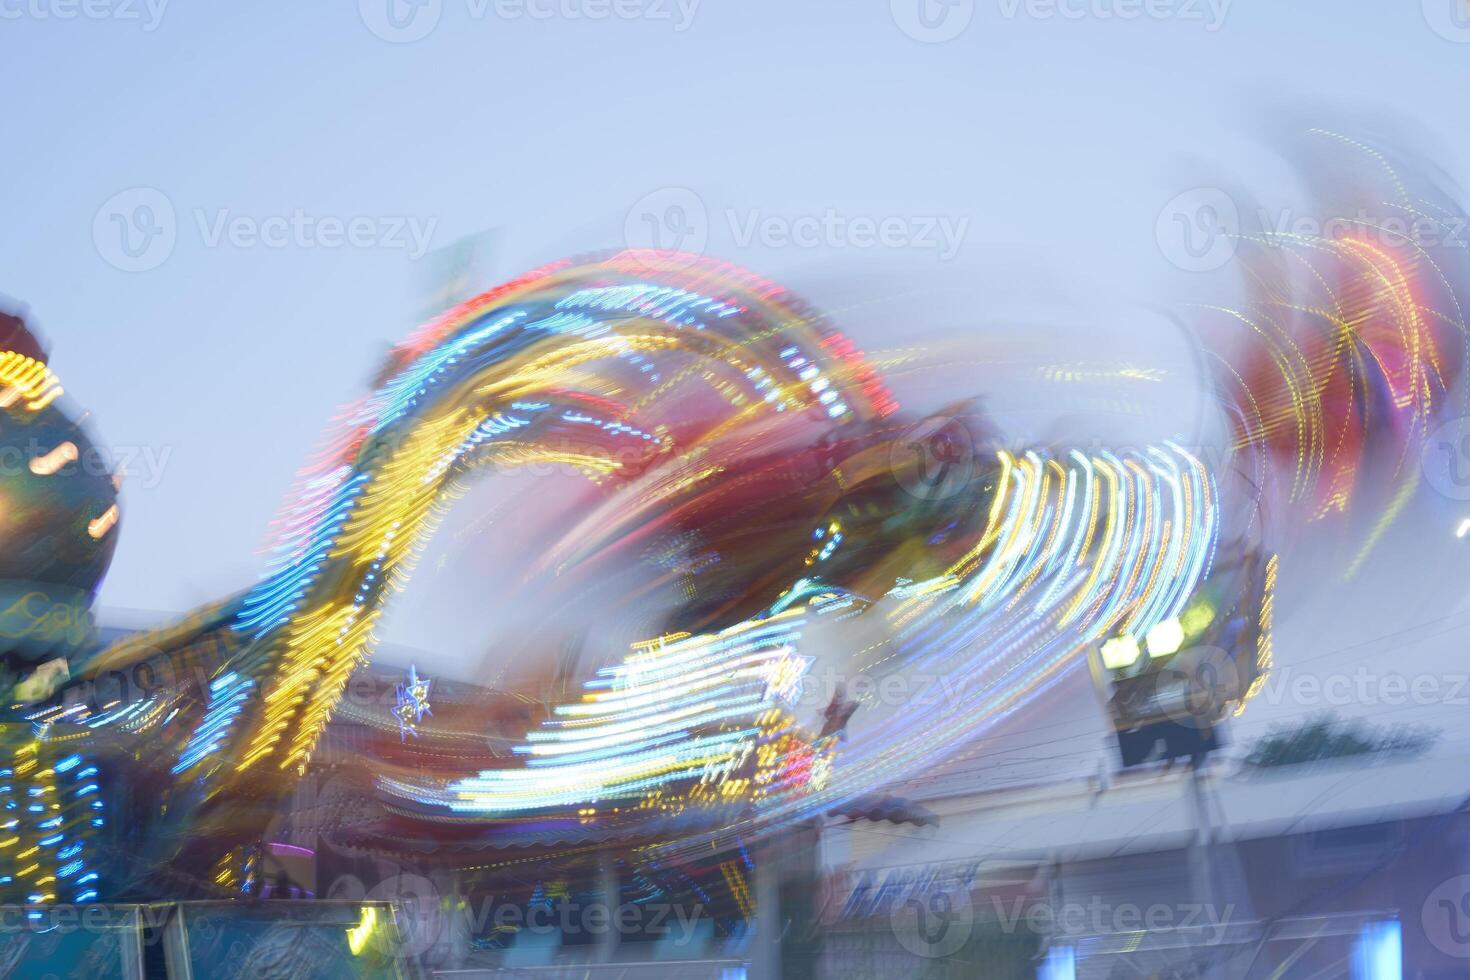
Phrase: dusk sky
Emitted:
{"points": [[220, 226]]}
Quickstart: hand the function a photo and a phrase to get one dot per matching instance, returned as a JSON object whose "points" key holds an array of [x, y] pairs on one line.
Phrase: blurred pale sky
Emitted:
{"points": [[293, 162]]}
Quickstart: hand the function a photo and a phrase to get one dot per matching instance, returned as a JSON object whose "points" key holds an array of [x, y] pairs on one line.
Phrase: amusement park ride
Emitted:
{"points": [[705, 401]]}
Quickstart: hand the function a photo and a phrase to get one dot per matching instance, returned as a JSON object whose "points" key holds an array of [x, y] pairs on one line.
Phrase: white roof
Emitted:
{"points": [[1145, 812]]}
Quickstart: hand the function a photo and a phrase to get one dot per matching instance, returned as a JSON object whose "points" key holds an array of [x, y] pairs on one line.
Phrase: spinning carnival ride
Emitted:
{"points": [[708, 405]]}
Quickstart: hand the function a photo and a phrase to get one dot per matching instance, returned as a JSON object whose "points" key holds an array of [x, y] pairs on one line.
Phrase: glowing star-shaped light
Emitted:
{"points": [[784, 677], [412, 703]]}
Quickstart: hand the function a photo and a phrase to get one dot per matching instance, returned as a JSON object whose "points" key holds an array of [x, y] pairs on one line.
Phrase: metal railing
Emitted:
{"points": [[218, 940]]}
